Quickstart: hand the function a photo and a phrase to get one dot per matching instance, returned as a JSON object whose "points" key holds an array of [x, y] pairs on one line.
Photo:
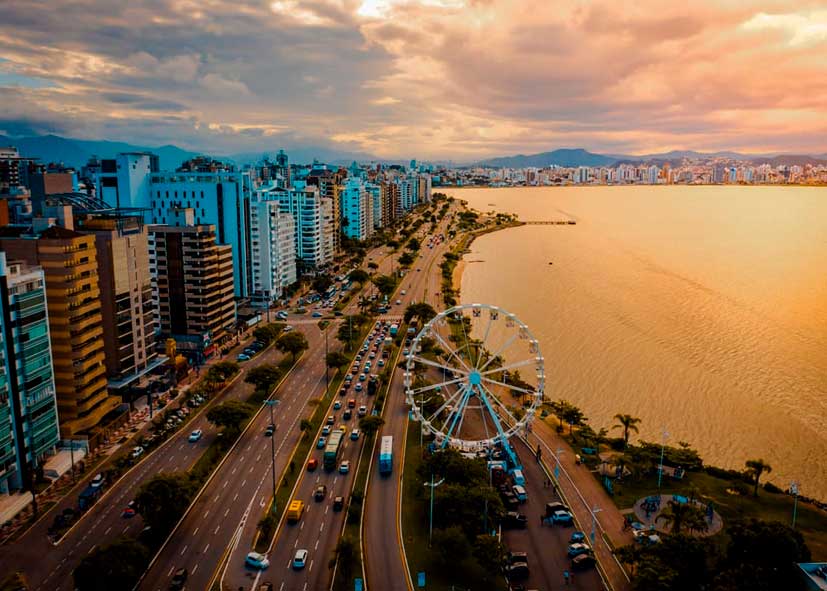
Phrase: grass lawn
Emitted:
{"points": [[465, 575], [811, 522]]}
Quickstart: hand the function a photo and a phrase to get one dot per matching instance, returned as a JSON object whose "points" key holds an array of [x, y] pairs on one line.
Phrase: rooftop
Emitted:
{"points": [[815, 574]]}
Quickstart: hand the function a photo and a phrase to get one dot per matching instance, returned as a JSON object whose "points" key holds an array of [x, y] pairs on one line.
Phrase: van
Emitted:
{"points": [[295, 510]]}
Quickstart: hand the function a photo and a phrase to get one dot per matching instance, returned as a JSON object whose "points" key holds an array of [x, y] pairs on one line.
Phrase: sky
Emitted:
{"points": [[430, 79]]}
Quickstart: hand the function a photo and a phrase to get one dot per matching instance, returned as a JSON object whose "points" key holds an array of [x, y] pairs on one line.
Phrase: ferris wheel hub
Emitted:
{"points": [[475, 378]]}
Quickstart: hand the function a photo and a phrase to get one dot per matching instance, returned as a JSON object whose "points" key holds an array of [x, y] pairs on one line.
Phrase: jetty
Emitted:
{"points": [[550, 222]]}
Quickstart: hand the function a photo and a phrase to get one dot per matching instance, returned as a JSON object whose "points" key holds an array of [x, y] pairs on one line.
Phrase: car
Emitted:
{"points": [[348, 379], [330, 420], [363, 410], [403, 292], [195, 435], [517, 571], [515, 557], [347, 414], [316, 314], [418, 269], [343, 390], [515, 520], [326, 430], [358, 387], [312, 464], [289, 328], [354, 435], [351, 403], [510, 501], [520, 492], [344, 467], [583, 562], [178, 579], [256, 560], [372, 355], [242, 357], [271, 428], [359, 357], [381, 363], [337, 405], [338, 503], [343, 428], [320, 493], [555, 506], [398, 302], [299, 559], [562, 517], [362, 377], [577, 549], [97, 481], [338, 313], [321, 442], [576, 537], [137, 452], [128, 513]]}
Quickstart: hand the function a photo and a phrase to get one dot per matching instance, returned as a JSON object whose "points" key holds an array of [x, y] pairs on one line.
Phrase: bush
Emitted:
{"points": [[771, 488]]}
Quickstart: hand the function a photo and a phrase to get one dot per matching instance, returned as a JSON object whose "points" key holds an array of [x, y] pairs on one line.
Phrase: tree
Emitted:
{"points": [[268, 333], [385, 284], [421, 310], [450, 545], [373, 266], [413, 244], [336, 360], [360, 275], [674, 514], [162, 500], [305, 426], [264, 377], [628, 423], [406, 259], [573, 416], [346, 552], [118, 565], [370, 424], [292, 342], [221, 371], [322, 283], [755, 468], [230, 415], [490, 553]]}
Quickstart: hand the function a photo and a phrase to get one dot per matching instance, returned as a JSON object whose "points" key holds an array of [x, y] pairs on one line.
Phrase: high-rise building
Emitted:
{"points": [[194, 282], [272, 239], [127, 305], [328, 183], [28, 411], [390, 202], [357, 210], [313, 224], [376, 205], [70, 266], [123, 181]]}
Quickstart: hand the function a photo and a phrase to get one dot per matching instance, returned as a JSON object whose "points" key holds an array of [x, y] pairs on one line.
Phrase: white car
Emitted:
{"points": [[137, 452], [97, 481], [300, 559], [257, 560], [195, 435]]}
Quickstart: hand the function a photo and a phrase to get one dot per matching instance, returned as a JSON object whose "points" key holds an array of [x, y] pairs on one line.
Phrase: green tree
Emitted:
{"points": [[413, 244], [673, 515], [118, 565], [373, 266], [336, 360], [406, 259], [385, 284], [268, 333], [293, 343], [490, 553], [221, 371], [628, 423], [359, 276], [370, 424], [421, 310], [321, 283], [450, 545], [264, 377], [162, 500], [755, 468], [573, 416], [305, 426], [346, 552], [230, 415]]}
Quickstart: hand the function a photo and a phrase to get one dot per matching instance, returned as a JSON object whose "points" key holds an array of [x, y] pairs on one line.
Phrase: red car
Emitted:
{"points": [[312, 464]]}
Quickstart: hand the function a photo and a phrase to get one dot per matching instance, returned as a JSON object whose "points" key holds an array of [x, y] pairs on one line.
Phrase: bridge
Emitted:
{"points": [[549, 222]]}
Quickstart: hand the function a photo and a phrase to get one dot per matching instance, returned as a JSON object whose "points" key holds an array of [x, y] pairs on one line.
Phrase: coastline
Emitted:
{"points": [[464, 247]]}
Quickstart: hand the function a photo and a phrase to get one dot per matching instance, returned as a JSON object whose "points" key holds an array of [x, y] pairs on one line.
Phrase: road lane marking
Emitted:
{"points": [[184, 550], [226, 512], [207, 547], [108, 529], [195, 568]]}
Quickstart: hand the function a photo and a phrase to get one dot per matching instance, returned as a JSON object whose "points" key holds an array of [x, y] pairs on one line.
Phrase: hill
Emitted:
{"points": [[562, 157]]}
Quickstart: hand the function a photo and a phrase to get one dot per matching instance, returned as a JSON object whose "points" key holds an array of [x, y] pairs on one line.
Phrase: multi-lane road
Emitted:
{"points": [[48, 566]]}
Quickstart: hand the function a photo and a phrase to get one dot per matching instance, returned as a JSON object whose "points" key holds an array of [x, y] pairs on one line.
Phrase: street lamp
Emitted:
{"points": [[433, 485], [595, 511], [794, 492], [557, 465], [271, 403], [326, 368], [662, 449]]}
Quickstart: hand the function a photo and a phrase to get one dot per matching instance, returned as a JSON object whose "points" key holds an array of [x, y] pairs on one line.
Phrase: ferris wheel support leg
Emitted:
{"points": [[515, 462], [457, 412]]}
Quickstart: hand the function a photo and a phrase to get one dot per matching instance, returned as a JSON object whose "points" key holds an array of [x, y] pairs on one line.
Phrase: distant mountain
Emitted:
{"points": [[562, 157], [75, 152], [306, 155], [792, 160]]}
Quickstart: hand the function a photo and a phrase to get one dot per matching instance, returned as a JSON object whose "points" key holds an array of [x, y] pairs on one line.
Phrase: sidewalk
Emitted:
{"points": [[584, 492]]}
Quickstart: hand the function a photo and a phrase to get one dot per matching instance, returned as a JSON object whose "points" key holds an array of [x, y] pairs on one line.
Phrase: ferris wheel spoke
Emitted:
{"points": [[484, 338], [465, 337], [458, 413], [423, 389], [509, 366], [509, 386], [448, 402], [424, 361], [499, 403], [500, 351], [451, 351]]}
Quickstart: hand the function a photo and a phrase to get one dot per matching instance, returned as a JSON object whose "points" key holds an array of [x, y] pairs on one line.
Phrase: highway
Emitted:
{"points": [[48, 566], [381, 543]]}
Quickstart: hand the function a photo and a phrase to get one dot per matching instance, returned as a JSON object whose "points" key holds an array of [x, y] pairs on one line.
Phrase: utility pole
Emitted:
{"points": [[433, 485], [326, 369], [662, 449], [794, 492], [271, 403], [595, 511]]}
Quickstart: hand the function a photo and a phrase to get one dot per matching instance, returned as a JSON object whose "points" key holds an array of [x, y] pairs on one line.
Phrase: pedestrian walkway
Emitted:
{"points": [[584, 493]]}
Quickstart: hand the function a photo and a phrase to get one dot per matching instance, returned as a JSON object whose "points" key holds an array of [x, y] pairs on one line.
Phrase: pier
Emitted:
{"points": [[550, 222]]}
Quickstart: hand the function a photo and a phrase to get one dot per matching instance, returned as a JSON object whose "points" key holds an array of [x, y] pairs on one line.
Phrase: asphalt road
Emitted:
{"points": [[48, 566], [384, 566]]}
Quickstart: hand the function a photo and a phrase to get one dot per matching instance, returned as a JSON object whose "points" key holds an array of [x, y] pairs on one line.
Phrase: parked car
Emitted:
{"points": [[137, 452], [517, 571], [515, 520], [562, 517], [576, 537], [256, 560], [515, 557], [577, 549], [242, 357], [97, 481], [583, 562]]}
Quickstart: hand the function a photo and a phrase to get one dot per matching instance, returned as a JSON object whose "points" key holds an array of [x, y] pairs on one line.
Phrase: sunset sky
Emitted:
{"points": [[454, 79]]}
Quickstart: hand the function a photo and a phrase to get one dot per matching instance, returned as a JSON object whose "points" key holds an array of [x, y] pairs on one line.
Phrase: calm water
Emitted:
{"points": [[702, 310]]}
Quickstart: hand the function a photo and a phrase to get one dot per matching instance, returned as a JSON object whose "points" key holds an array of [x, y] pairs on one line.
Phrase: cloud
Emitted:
{"points": [[424, 78]]}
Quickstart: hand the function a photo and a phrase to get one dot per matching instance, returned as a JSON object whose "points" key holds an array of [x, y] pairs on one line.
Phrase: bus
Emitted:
{"points": [[331, 449], [386, 455]]}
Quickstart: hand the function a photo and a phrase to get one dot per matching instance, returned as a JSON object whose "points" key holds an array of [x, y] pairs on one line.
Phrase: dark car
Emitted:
{"points": [[347, 414], [515, 520], [516, 557], [320, 492], [271, 428], [338, 503], [517, 571], [510, 501], [179, 579], [583, 562]]}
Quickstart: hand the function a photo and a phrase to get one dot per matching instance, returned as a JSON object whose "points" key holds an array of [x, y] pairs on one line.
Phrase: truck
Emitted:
{"points": [[386, 455], [394, 329], [295, 510]]}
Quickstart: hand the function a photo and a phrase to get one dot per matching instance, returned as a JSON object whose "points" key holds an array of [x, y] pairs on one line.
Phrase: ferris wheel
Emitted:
{"points": [[474, 377]]}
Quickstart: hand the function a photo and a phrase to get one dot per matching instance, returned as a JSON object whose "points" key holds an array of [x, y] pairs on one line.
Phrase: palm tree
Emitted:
{"points": [[628, 423], [755, 468], [674, 514]]}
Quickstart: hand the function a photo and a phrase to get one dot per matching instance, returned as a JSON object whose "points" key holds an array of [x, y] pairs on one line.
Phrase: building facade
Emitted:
{"points": [[357, 210], [28, 409], [273, 248], [313, 224]]}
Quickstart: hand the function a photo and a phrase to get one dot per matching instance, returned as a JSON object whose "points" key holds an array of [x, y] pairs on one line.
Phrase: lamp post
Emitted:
{"points": [[794, 492], [326, 369], [662, 449], [433, 485], [271, 402], [595, 511]]}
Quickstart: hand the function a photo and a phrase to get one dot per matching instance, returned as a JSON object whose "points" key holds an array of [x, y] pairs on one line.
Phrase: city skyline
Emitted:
{"points": [[435, 79]]}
